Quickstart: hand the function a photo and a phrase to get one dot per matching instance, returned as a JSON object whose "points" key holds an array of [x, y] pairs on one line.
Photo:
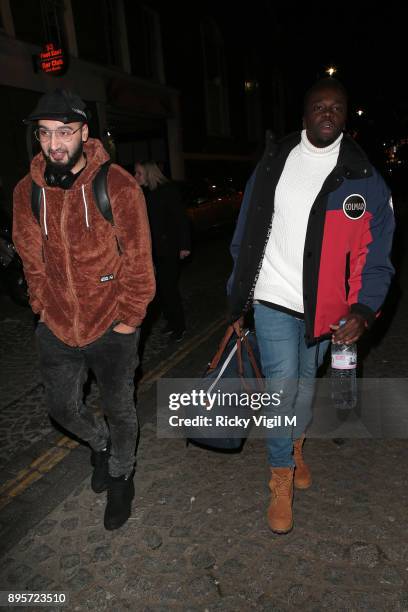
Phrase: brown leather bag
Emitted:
{"points": [[237, 357], [242, 342]]}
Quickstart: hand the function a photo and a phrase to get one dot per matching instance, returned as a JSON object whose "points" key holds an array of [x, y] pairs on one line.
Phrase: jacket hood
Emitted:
{"points": [[96, 155]]}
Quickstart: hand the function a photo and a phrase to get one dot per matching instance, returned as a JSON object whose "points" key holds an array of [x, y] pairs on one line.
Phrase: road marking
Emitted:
{"points": [[50, 458], [153, 375], [36, 470]]}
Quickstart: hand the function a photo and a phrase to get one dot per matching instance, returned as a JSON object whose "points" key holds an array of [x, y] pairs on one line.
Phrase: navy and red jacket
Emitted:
{"points": [[346, 259]]}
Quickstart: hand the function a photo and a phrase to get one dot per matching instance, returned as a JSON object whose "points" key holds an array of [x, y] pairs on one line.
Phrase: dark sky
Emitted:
{"points": [[367, 43]]}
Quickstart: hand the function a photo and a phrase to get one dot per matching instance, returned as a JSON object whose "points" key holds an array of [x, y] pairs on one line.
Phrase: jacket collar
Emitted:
{"points": [[352, 162]]}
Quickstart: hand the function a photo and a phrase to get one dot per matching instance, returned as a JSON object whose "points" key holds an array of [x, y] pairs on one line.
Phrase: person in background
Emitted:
{"points": [[170, 240], [312, 246]]}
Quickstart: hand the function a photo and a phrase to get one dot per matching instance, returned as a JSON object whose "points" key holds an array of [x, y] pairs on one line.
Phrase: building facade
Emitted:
{"points": [[174, 82], [135, 114]]}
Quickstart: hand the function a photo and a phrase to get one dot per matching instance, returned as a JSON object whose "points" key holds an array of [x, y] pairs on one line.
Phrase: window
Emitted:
{"points": [[38, 21], [97, 31], [145, 45], [215, 80]]}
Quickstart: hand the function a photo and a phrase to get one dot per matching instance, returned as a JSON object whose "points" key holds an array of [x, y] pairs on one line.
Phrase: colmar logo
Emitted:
{"points": [[354, 206]]}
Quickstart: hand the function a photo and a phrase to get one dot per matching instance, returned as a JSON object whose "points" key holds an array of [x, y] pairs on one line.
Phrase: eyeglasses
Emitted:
{"points": [[63, 134]]}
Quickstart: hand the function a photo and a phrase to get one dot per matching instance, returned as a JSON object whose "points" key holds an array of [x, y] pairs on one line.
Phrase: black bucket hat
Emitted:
{"points": [[59, 105]]}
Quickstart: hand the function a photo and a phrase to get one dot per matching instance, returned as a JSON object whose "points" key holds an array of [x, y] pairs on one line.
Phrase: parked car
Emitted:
{"points": [[12, 278], [210, 204]]}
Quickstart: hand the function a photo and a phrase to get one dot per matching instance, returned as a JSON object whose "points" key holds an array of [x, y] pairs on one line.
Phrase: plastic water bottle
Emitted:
{"points": [[343, 374]]}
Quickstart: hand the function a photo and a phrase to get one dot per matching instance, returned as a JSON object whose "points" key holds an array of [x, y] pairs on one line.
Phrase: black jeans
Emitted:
{"points": [[113, 358], [167, 277]]}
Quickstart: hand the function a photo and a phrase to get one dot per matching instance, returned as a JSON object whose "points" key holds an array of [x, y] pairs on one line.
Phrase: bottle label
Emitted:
{"points": [[344, 361]]}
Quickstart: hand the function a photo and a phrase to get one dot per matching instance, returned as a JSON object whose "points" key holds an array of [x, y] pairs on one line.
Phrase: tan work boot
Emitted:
{"points": [[303, 476], [280, 517]]}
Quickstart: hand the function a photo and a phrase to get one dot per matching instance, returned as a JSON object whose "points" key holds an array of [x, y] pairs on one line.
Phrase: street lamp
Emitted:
{"points": [[360, 112], [330, 70]]}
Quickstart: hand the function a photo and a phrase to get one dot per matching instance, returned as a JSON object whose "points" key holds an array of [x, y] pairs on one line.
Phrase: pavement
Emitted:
{"points": [[198, 538]]}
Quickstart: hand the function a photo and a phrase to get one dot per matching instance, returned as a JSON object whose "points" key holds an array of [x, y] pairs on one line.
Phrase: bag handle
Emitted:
{"points": [[241, 340], [252, 358], [221, 348]]}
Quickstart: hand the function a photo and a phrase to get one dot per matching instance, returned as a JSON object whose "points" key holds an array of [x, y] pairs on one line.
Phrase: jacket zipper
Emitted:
{"points": [[249, 301], [68, 271]]}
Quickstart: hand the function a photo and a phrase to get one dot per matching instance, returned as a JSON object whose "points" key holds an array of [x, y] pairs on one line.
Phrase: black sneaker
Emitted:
{"points": [[121, 491], [177, 336], [100, 475]]}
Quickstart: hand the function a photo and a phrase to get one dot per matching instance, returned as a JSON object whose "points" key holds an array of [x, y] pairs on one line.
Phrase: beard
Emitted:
{"points": [[62, 168]]}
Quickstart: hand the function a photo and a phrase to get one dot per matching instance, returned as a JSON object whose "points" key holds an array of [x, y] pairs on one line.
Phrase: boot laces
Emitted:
{"points": [[282, 483]]}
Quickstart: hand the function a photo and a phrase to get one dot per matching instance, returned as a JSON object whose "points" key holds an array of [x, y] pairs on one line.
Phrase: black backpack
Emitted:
{"points": [[99, 188]]}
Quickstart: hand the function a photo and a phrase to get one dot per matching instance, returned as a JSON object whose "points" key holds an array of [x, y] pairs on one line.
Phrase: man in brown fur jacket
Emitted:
{"points": [[90, 282]]}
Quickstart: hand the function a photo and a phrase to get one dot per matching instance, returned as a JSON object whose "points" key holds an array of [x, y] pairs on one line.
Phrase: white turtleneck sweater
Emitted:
{"points": [[280, 280]]}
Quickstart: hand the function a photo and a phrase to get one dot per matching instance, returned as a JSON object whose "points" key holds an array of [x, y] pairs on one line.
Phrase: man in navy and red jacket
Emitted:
{"points": [[311, 247]]}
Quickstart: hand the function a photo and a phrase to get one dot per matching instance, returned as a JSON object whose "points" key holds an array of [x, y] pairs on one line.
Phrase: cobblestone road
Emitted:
{"points": [[198, 538], [23, 419]]}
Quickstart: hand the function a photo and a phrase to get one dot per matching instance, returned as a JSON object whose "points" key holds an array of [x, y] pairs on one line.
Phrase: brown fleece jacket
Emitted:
{"points": [[78, 280]]}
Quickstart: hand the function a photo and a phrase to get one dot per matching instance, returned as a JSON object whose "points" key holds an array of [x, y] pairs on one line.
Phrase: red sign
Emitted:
{"points": [[52, 60]]}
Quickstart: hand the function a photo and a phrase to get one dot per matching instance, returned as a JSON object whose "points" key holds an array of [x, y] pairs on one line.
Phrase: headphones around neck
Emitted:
{"points": [[63, 180]]}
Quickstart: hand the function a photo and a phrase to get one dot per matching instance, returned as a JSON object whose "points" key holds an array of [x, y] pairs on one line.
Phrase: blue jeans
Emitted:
{"points": [[289, 363]]}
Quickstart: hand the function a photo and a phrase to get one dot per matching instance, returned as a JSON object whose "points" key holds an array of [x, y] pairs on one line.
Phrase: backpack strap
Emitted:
{"points": [[36, 200], [99, 188], [100, 192]]}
